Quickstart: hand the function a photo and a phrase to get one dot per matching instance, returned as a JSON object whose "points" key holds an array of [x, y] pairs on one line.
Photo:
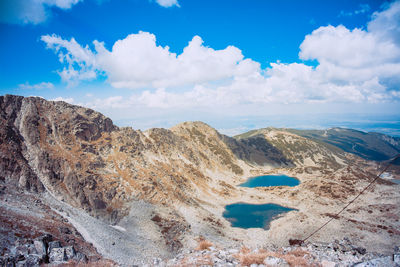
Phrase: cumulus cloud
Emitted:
{"points": [[137, 61], [38, 86], [357, 56], [385, 24], [168, 3], [354, 65], [79, 61], [30, 11]]}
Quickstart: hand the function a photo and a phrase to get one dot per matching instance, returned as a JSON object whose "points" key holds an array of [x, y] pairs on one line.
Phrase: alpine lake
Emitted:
{"points": [[246, 215]]}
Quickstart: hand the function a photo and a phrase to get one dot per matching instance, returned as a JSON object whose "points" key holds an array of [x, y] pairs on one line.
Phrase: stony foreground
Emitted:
{"points": [[45, 249], [337, 253]]}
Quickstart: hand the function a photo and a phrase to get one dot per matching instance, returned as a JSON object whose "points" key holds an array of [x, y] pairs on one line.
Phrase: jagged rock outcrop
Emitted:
{"points": [[14, 168]]}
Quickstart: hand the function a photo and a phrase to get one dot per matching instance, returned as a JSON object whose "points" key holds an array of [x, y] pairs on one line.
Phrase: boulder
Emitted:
{"points": [[69, 252], [396, 259], [40, 247], [57, 255], [54, 244]]}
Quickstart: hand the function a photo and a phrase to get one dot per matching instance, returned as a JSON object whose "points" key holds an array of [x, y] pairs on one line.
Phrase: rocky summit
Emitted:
{"points": [[76, 189]]}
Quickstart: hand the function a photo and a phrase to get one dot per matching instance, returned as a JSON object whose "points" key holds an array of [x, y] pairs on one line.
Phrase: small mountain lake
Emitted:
{"points": [[271, 180], [246, 215]]}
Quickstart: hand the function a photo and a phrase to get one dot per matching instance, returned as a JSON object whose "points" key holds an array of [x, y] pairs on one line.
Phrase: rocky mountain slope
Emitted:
{"points": [[300, 150], [152, 193]]}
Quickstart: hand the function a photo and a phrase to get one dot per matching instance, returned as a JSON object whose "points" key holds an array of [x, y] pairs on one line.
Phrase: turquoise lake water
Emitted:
{"points": [[271, 180], [246, 216]]}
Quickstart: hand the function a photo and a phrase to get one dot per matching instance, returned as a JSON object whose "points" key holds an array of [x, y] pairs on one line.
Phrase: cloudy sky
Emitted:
{"points": [[235, 64]]}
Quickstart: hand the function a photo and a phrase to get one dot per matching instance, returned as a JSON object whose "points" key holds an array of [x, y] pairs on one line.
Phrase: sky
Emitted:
{"points": [[234, 64]]}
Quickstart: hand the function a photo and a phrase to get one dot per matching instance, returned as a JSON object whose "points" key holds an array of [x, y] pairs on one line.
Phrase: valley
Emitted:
{"points": [[132, 196]]}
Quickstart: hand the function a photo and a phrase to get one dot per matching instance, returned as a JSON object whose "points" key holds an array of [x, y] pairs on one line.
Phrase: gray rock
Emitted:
{"points": [[80, 257], [326, 263], [21, 250], [396, 259], [40, 247], [31, 249], [69, 252], [19, 257], [360, 250], [57, 254], [32, 261], [9, 261], [233, 251], [54, 244], [378, 262], [274, 261]]}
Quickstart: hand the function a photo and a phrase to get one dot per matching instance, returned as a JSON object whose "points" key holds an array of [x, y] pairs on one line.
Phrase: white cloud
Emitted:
{"points": [[30, 11], [353, 66], [385, 24], [69, 100], [168, 3], [38, 86], [79, 61], [137, 61], [345, 48], [357, 56]]}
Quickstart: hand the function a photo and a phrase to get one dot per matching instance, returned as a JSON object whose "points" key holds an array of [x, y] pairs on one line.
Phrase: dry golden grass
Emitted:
{"points": [[252, 258], [297, 261], [204, 244], [295, 258], [244, 250]]}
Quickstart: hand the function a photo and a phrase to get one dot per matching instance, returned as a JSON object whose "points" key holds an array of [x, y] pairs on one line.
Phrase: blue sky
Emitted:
{"points": [[236, 64]]}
